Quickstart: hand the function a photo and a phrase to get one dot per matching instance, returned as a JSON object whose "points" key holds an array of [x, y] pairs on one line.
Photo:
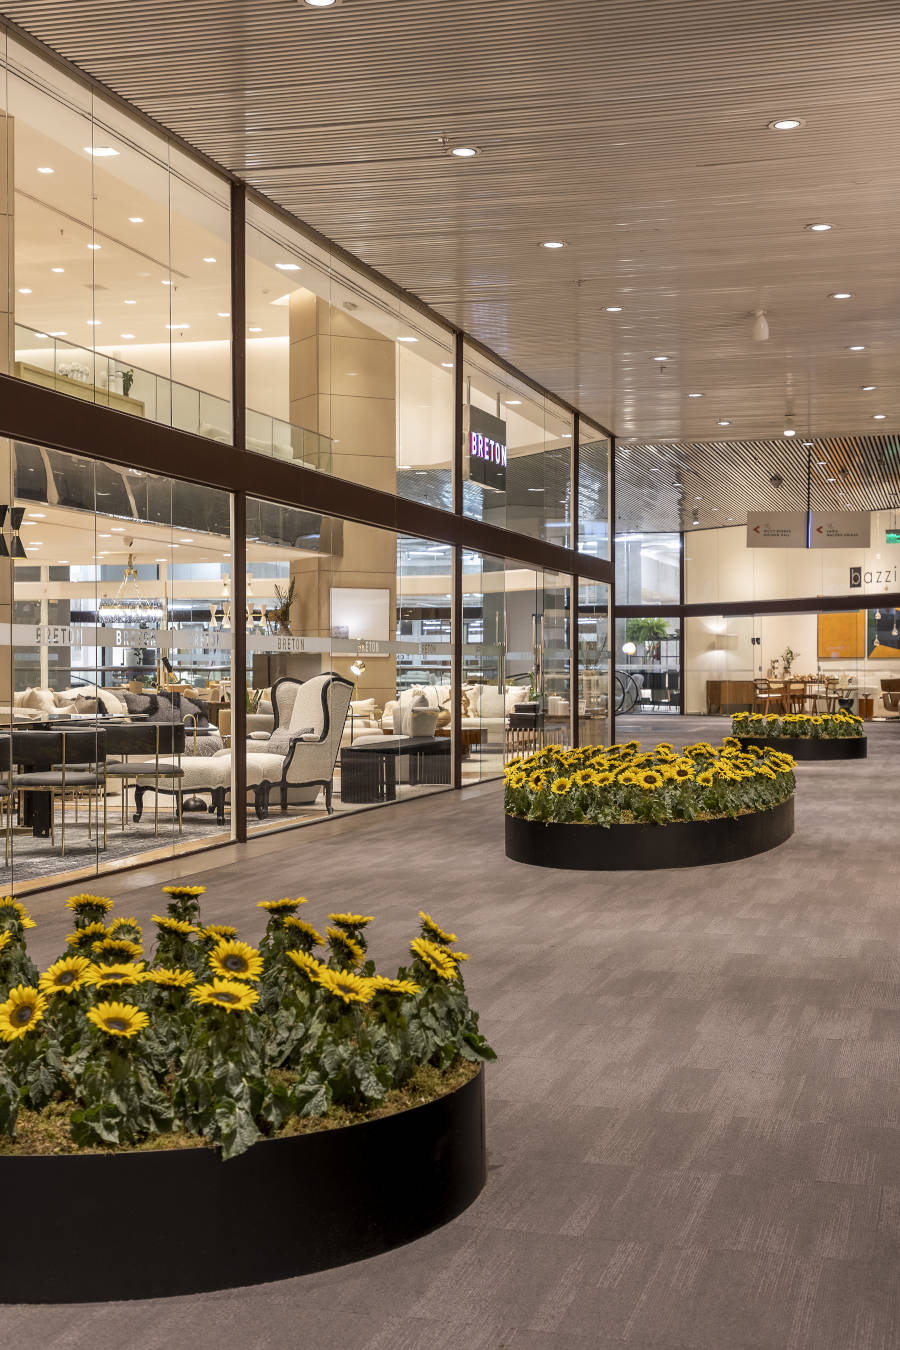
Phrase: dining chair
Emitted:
{"points": [[62, 764]]}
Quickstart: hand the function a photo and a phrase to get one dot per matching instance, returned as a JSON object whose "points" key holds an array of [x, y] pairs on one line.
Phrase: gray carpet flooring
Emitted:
{"points": [[694, 1124]]}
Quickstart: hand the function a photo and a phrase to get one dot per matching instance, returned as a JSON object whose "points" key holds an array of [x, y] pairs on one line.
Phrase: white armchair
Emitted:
{"points": [[309, 724]]}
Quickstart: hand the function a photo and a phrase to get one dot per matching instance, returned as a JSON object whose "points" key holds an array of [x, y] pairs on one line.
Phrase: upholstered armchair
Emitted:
{"points": [[309, 722]]}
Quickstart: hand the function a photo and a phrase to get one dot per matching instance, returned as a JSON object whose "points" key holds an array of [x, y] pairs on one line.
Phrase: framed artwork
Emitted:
{"points": [[883, 635], [842, 637]]}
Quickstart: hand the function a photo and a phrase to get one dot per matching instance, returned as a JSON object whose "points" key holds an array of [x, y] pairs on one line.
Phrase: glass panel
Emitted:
{"points": [[648, 569], [122, 273], [593, 491], [593, 663], [648, 664], [349, 666], [517, 454], [112, 631], [341, 376]]}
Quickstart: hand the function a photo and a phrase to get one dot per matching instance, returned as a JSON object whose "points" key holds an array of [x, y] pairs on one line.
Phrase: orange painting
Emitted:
{"points": [[842, 637]]}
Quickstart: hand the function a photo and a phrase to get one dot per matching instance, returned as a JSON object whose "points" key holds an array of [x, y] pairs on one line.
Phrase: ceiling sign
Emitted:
{"points": [[777, 529], [487, 449], [839, 529]]}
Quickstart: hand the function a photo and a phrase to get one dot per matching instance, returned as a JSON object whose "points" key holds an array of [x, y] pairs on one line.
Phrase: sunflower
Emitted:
{"points": [[23, 1008], [10, 908], [112, 949], [351, 920], [118, 1019], [170, 977], [516, 780], [650, 780], [345, 947], [301, 931], [603, 778], [65, 976], [434, 957], [765, 772], [218, 931], [402, 988], [129, 928], [87, 904], [433, 932], [305, 963], [179, 926], [343, 984], [286, 906], [705, 779], [5, 939], [537, 780], [681, 772], [560, 786], [227, 994], [124, 972], [459, 956], [184, 892], [236, 960]]}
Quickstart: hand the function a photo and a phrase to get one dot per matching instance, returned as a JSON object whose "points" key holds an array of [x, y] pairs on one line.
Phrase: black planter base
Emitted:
{"points": [[149, 1225], [626, 848], [805, 748]]}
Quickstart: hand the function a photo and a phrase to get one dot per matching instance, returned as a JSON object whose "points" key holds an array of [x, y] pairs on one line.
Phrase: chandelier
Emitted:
{"points": [[130, 607]]}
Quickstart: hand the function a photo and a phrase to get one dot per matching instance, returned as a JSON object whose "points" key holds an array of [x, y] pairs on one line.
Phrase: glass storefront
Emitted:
{"points": [[593, 491], [593, 663], [648, 664]]}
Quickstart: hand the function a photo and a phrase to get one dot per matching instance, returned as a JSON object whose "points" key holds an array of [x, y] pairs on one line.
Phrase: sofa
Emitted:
{"points": [[484, 706]]}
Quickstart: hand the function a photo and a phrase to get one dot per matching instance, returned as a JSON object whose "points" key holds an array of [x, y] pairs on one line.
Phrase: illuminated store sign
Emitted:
{"points": [[487, 449]]}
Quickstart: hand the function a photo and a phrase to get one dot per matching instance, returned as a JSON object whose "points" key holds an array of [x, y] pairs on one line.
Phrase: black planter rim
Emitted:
{"points": [[810, 748]]}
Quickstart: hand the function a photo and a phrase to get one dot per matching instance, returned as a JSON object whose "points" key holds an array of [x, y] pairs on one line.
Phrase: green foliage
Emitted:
{"points": [[813, 726], [619, 785], [646, 630], [177, 1047]]}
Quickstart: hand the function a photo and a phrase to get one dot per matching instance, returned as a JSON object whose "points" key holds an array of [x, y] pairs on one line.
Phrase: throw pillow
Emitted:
{"points": [[136, 703], [85, 705], [443, 718], [188, 708], [41, 699], [112, 704]]}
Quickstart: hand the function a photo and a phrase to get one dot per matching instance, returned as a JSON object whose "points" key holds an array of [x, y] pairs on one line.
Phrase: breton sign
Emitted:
{"points": [[487, 449], [777, 529], [839, 529]]}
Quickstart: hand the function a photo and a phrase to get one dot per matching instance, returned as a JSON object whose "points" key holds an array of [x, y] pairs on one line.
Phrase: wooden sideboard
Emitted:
{"points": [[78, 388], [723, 695]]}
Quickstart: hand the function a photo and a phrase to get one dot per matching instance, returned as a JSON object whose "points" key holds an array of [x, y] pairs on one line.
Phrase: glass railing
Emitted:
{"points": [[83, 373]]}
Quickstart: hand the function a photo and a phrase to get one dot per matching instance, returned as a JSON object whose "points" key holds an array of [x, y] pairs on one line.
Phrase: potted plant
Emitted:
{"points": [[280, 614], [127, 381], [788, 656]]}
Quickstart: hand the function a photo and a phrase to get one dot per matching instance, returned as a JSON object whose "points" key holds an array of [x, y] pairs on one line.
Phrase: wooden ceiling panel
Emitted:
{"points": [[635, 133]]}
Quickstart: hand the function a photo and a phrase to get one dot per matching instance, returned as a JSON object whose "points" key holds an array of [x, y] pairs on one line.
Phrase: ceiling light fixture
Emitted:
{"points": [[165, 283], [127, 336], [129, 302], [288, 267], [447, 365], [407, 339], [819, 229], [867, 388], [136, 220], [179, 325], [789, 431], [724, 422], [841, 295], [856, 349], [94, 247], [464, 151], [254, 330], [695, 395], [553, 243], [662, 358], [513, 403], [60, 332], [786, 124], [57, 269], [93, 323], [319, 4], [614, 309], [24, 290], [100, 151], [44, 168], [878, 417], [209, 260], [224, 314]]}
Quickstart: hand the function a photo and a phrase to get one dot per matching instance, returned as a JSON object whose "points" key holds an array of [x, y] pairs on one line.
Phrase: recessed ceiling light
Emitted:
{"points": [[254, 330], [789, 431], [94, 247], [41, 335], [878, 417], [61, 332], [821, 463], [724, 422], [171, 326], [407, 339], [464, 151], [136, 220], [129, 302], [786, 124], [127, 336], [856, 349], [695, 395], [319, 4], [867, 388], [841, 295], [93, 323], [24, 290], [44, 168], [57, 269], [513, 403], [535, 489], [662, 358], [830, 480], [224, 314], [185, 541], [104, 536], [101, 151], [117, 529], [731, 517], [698, 498], [159, 560], [37, 515], [209, 260], [553, 243], [63, 560], [819, 229], [166, 283], [613, 309], [288, 267], [448, 365], [807, 445]]}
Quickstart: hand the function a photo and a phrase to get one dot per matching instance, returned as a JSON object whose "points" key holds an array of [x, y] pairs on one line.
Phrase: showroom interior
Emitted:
{"points": [[451, 477]]}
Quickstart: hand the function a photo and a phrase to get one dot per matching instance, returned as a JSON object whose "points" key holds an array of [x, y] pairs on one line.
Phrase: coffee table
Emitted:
{"points": [[369, 772], [469, 737]]}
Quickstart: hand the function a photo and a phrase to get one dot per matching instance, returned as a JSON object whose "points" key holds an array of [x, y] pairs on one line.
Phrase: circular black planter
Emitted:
{"points": [[804, 747], [625, 848], [148, 1225]]}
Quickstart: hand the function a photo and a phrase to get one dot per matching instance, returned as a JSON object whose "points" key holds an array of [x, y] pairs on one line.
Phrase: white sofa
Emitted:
{"points": [[485, 707]]}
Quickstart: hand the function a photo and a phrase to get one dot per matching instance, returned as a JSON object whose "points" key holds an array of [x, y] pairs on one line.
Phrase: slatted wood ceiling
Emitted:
{"points": [[636, 132]]}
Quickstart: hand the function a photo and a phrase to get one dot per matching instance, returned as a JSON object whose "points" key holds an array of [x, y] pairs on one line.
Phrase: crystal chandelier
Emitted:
{"points": [[130, 607]]}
